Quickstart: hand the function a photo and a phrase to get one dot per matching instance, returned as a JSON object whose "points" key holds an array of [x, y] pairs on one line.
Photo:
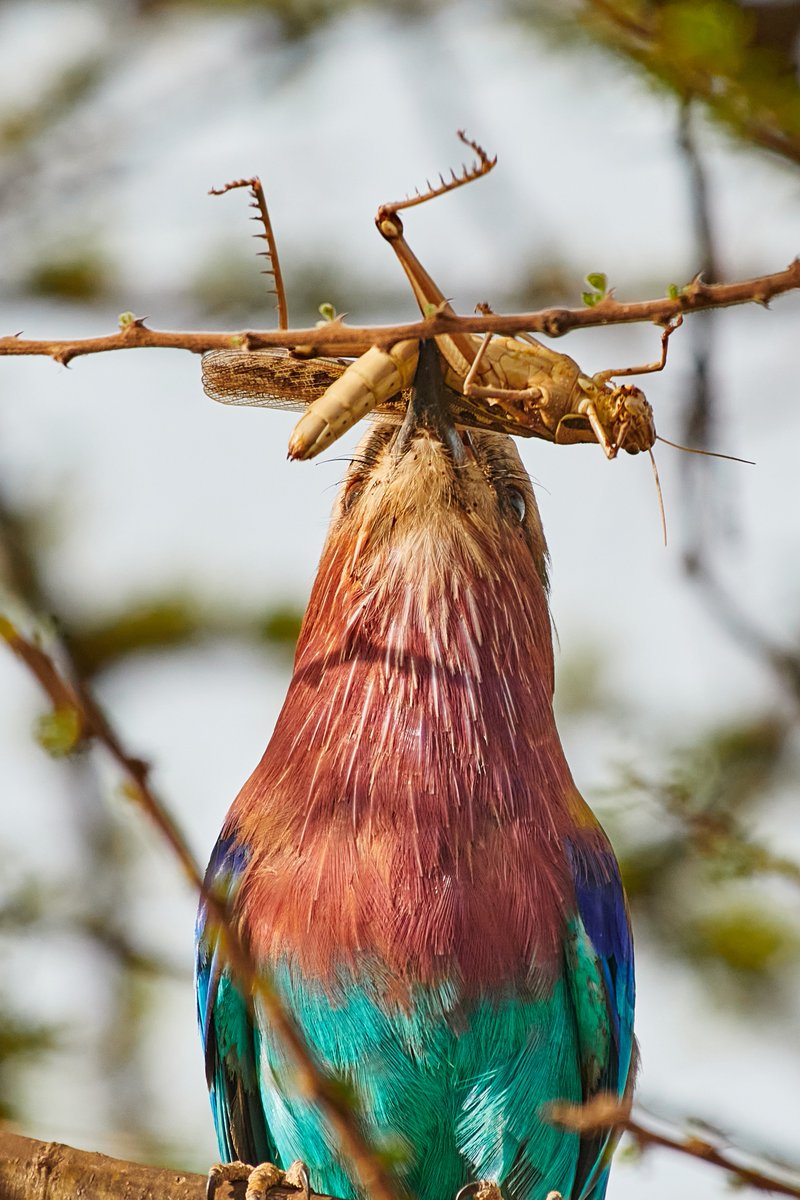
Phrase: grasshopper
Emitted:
{"points": [[511, 385]]}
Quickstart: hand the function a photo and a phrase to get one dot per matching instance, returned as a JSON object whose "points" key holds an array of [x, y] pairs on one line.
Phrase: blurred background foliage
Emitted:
{"points": [[707, 885]]}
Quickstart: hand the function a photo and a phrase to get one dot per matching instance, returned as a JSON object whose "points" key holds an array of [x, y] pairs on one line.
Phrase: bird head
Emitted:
{"points": [[429, 507]]}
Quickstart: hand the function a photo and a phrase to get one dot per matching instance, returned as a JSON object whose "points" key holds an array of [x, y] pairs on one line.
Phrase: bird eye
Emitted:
{"points": [[517, 502], [351, 493]]}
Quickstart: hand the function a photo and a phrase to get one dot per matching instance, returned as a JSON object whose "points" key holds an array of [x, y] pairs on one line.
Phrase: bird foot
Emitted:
{"points": [[260, 1179], [482, 1189]]}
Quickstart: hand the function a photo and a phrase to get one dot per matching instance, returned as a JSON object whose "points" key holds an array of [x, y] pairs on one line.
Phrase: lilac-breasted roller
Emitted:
{"points": [[411, 859]]}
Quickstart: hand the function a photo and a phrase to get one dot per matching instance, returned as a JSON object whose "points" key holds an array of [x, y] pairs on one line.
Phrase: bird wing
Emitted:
{"points": [[601, 980], [230, 1040]]}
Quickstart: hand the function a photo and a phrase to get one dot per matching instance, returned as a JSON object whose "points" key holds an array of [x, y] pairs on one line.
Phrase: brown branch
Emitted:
{"points": [[699, 1147], [336, 337], [726, 95], [606, 1111], [33, 1170], [310, 1079]]}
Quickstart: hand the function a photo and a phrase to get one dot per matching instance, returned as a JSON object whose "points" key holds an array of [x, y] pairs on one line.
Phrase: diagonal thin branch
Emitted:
{"points": [[607, 1110], [310, 1080], [691, 1145]]}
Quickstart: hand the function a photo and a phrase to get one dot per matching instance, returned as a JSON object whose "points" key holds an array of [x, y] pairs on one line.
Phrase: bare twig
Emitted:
{"points": [[310, 1080], [606, 1111], [336, 337], [693, 1146]]}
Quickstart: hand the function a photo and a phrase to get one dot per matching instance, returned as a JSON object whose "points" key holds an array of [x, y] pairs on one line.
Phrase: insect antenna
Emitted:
{"points": [[482, 166], [660, 495], [709, 453], [273, 270]]}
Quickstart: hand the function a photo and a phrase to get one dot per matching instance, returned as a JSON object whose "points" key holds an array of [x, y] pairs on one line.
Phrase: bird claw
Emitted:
{"points": [[260, 1179], [481, 1189], [232, 1172], [296, 1176]]}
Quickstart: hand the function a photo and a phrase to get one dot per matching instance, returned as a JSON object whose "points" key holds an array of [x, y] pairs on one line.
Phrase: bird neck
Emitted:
{"points": [[422, 691], [415, 769]]}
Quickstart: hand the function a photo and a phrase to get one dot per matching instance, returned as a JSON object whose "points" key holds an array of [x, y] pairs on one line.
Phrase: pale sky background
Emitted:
{"points": [[152, 485]]}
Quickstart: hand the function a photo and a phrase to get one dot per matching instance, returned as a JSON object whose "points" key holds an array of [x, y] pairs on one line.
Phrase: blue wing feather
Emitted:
{"points": [[603, 951], [230, 1040]]}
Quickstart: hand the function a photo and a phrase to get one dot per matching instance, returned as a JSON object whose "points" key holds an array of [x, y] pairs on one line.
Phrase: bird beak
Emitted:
{"points": [[428, 412]]}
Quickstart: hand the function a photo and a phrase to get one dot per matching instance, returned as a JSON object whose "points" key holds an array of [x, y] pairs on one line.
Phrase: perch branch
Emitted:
{"points": [[33, 1170], [336, 337]]}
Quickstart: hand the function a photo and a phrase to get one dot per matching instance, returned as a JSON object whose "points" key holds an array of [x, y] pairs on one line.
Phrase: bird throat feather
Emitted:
{"points": [[412, 804]]}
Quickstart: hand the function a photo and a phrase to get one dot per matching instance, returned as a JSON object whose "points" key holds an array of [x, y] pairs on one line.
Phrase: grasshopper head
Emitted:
{"points": [[631, 425]]}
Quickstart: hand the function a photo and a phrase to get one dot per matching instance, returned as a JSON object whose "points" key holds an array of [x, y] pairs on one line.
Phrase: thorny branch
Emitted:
{"points": [[336, 337], [74, 695]]}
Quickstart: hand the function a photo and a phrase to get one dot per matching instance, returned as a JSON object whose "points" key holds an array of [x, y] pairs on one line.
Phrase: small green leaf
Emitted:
{"points": [[59, 732], [430, 309], [126, 319], [598, 281], [673, 291], [327, 311]]}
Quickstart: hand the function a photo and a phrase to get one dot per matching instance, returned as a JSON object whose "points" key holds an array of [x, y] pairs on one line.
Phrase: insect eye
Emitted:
{"points": [[517, 502]]}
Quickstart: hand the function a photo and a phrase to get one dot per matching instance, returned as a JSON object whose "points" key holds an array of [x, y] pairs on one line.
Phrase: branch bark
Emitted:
{"points": [[33, 1170], [336, 337]]}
